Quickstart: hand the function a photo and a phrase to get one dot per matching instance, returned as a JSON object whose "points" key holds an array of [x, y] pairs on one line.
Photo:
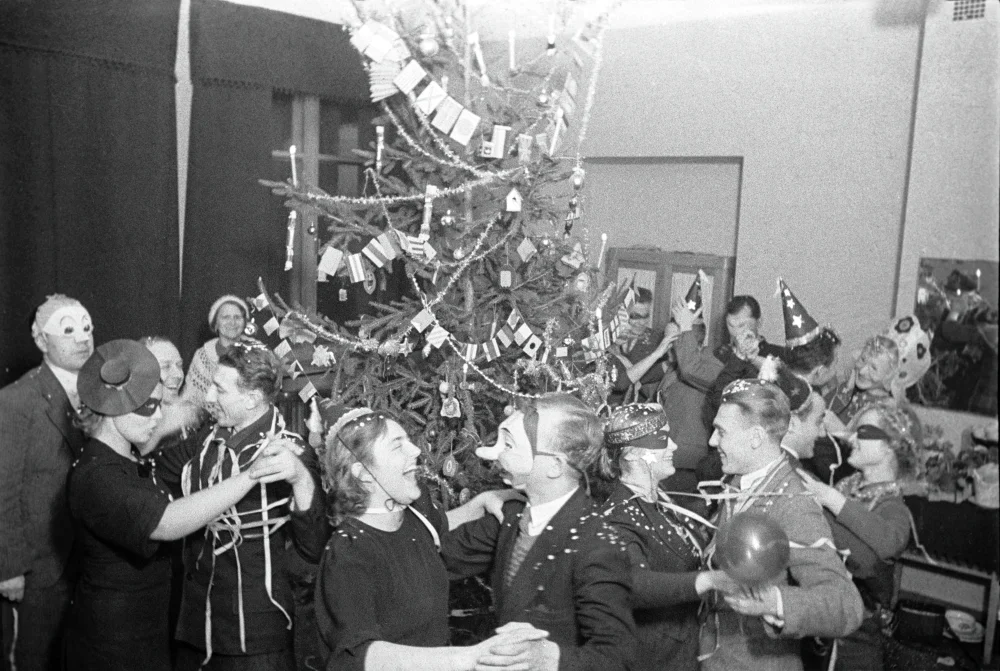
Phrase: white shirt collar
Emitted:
{"points": [[750, 479], [67, 381], [540, 515]]}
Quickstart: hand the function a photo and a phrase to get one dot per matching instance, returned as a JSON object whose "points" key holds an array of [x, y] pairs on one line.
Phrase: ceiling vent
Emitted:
{"points": [[968, 10]]}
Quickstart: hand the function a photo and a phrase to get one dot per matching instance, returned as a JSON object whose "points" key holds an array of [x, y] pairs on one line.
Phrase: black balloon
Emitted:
{"points": [[751, 548]]}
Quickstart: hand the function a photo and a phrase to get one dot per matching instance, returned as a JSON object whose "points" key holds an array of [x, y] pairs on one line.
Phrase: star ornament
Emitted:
{"points": [[649, 457], [692, 306], [797, 321], [322, 356], [790, 303]]}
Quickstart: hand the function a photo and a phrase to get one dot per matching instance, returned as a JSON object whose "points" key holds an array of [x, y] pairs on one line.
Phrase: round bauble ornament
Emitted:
{"points": [[459, 253], [444, 387], [428, 45], [450, 467], [752, 549], [577, 179], [543, 99], [250, 329], [464, 496], [508, 410]]}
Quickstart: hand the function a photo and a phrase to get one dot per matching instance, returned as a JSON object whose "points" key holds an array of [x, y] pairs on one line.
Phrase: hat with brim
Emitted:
{"points": [[642, 425], [118, 378]]}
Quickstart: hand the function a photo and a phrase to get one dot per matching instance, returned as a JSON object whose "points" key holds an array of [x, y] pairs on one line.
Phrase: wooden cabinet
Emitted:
{"points": [[669, 275]]}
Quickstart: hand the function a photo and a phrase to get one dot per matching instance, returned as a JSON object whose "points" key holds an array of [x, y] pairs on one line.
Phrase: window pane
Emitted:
{"points": [[281, 121], [329, 123]]}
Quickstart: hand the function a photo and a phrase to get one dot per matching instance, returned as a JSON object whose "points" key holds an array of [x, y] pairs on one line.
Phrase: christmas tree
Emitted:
{"points": [[472, 193]]}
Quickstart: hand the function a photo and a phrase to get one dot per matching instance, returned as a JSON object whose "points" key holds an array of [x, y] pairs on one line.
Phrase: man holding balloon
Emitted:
{"points": [[772, 539]]}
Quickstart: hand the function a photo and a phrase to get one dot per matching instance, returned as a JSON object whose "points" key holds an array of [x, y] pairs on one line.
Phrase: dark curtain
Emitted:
{"points": [[239, 57], [88, 178]]}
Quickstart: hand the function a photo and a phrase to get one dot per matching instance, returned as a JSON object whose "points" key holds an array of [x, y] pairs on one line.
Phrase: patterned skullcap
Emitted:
{"points": [[638, 425]]}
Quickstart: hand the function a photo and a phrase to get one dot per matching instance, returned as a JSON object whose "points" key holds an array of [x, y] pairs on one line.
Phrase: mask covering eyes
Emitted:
{"points": [[71, 320], [872, 432], [148, 408]]}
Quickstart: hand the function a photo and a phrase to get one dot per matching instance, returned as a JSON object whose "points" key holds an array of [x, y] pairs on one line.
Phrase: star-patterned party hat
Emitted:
{"points": [[800, 327], [693, 299]]}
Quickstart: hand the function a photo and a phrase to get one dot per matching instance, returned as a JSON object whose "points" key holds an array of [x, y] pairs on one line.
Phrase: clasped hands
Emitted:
{"points": [[760, 601], [517, 646], [279, 460]]}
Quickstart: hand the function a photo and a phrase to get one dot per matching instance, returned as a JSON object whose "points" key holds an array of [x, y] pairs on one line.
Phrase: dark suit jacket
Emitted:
{"points": [[573, 583], [38, 444], [734, 368]]}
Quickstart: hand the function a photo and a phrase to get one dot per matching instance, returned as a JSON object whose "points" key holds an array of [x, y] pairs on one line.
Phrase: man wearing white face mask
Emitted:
{"points": [[38, 443], [556, 565]]}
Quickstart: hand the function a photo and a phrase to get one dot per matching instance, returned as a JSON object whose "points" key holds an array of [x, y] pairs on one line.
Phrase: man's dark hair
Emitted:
{"points": [[257, 366], [643, 295], [737, 303], [820, 351]]}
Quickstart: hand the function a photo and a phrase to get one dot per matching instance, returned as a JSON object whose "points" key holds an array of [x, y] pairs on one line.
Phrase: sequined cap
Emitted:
{"points": [[639, 425]]}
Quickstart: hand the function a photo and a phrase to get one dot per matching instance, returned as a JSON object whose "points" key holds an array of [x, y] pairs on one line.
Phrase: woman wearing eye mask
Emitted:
{"points": [[868, 517], [663, 543], [122, 512], [382, 587]]}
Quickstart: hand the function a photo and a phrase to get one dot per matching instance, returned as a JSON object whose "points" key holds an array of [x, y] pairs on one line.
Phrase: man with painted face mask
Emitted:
{"points": [[38, 442], [555, 564]]}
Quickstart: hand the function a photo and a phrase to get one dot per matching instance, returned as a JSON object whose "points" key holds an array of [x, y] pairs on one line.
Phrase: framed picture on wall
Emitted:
{"points": [[669, 275]]}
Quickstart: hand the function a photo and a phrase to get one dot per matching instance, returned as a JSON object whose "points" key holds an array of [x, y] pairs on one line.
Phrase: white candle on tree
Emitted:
{"points": [[295, 174]]}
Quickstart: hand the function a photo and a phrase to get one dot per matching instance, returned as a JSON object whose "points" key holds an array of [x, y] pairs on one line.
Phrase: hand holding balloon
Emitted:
{"points": [[752, 549]]}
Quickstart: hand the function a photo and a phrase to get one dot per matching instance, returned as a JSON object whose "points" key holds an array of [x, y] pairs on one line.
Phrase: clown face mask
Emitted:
{"points": [[67, 337], [514, 450]]}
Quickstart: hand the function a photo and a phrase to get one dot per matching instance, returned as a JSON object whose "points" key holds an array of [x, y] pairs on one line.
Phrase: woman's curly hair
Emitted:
{"points": [[905, 433], [345, 493]]}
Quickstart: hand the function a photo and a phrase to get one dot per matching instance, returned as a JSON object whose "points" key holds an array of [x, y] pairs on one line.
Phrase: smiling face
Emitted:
{"points": [[874, 369], [393, 468], [171, 368], [230, 321], [67, 338], [870, 452], [735, 437], [654, 464], [231, 404], [137, 427]]}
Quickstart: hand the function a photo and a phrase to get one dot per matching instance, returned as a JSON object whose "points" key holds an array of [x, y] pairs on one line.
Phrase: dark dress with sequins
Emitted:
{"points": [[664, 565], [376, 585]]}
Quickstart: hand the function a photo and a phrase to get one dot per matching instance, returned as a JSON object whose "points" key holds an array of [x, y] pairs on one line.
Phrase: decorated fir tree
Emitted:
{"points": [[473, 194]]}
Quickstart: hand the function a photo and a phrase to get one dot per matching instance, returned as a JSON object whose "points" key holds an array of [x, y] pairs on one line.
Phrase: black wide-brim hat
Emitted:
{"points": [[118, 377]]}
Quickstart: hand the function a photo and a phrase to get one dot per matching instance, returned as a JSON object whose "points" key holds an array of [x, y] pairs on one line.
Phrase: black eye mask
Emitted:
{"points": [[872, 432], [148, 408]]}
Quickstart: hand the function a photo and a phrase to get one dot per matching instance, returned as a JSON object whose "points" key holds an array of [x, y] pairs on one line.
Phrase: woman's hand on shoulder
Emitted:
{"points": [[492, 501]]}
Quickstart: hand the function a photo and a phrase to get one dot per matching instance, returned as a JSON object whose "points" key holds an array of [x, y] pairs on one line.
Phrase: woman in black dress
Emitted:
{"points": [[382, 588], [663, 544], [118, 617]]}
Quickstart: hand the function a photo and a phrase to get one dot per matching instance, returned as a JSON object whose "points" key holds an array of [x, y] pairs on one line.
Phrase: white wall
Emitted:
{"points": [[817, 100], [952, 208]]}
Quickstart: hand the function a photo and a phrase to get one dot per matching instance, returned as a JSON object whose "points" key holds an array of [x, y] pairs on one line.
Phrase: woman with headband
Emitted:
{"points": [[123, 514], [869, 517], [663, 544], [382, 588]]}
